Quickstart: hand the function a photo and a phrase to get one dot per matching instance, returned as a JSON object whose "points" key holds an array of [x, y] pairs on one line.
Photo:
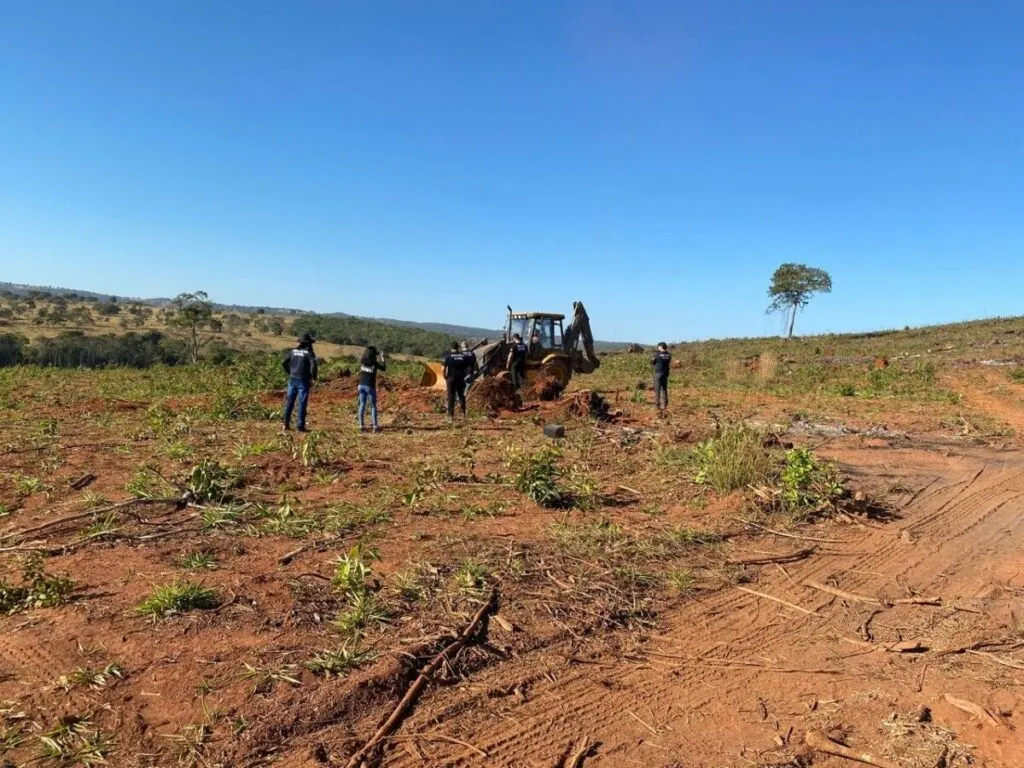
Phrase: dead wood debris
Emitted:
{"points": [[425, 675], [819, 741]]}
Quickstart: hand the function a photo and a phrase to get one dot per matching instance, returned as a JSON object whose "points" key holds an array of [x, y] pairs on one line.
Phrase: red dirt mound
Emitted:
{"points": [[493, 393]]}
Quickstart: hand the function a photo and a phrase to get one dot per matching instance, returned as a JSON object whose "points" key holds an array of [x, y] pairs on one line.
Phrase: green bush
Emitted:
{"points": [[538, 474]]}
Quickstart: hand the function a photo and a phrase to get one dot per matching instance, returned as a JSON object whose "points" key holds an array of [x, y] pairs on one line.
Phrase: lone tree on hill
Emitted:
{"points": [[792, 287], [193, 312]]}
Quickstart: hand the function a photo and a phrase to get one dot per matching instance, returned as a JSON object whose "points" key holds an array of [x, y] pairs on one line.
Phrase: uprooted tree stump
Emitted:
{"points": [[588, 404], [545, 387], [493, 393]]}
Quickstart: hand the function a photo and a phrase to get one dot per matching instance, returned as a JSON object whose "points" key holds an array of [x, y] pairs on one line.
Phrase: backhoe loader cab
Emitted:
{"points": [[542, 331]]}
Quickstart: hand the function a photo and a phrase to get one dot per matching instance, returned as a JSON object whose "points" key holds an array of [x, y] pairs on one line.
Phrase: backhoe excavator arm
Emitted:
{"points": [[579, 330]]}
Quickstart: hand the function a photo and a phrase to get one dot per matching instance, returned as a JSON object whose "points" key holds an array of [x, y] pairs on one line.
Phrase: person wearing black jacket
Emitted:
{"points": [[301, 366], [661, 363], [516, 363], [371, 362], [457, 365]]}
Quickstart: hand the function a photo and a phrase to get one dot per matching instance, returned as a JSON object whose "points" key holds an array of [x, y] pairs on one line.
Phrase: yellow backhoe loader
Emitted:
{"points": [[553, 352]]}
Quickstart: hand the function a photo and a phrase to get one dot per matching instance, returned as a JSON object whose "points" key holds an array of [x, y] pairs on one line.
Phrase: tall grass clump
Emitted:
{"points": [[734, 458]]}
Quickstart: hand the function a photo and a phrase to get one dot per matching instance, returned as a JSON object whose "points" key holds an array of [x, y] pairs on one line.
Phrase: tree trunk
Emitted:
{"points": [[792, 322]]}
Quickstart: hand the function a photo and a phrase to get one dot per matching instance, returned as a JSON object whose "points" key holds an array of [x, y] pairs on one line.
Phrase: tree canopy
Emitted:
{"points": [[792, 287]]}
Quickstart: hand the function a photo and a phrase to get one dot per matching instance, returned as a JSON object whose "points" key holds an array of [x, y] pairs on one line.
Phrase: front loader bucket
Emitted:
{"points": [[432, 376]]}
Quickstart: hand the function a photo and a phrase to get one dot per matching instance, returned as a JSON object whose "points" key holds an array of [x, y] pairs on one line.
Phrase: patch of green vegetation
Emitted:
{"points": [[147, 483], [809, 486], [682, 581], [248, 450], [178, 597], [1016, 374], [265, 678], [364, 610], [352, 570], [216, 517], [338, 662], [471, 575], [96, 679], [735, 458], [286, 521], [210, 482], [28, 485], [346, 517], [74, 741], [37, 590], [198, 561], [538, 474], [177, 450]]}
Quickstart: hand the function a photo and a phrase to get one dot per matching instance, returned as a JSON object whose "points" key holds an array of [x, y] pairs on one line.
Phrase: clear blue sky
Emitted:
{"points": [[439, 160]]}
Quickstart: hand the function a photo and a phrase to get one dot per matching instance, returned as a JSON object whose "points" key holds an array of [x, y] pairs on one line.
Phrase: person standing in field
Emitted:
{"points": [[661, 363], [371, 362], [516, 363], [456, 366], [301, 366]]}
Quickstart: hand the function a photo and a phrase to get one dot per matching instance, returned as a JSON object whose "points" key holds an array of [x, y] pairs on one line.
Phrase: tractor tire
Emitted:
{"points": [[557, 369]]}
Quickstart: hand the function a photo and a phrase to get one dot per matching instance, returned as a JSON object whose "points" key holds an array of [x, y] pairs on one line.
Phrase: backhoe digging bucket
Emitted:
{"points": [[432, 376]]}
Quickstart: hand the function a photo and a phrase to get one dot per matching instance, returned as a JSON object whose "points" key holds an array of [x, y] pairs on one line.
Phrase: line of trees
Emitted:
{"points": [[74, 349], [360, 333]]}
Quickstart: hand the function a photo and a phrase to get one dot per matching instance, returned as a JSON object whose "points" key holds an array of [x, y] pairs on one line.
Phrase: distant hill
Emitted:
{"points": [[448, 329]]}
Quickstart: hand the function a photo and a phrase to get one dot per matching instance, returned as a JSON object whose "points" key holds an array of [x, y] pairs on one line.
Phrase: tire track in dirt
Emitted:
{"points": [[651, 709]]}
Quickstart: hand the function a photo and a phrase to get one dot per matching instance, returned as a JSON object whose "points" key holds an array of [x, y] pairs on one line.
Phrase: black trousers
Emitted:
{"points": [[518, 374], [661, 391], [456, 389]]}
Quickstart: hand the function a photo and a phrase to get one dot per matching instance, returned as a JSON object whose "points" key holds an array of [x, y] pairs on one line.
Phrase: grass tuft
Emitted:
{"points": [[178, 597]]}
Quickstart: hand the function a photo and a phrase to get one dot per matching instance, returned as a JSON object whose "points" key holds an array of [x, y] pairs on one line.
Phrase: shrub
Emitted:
{"points": [[538, 475], [809, 486]]}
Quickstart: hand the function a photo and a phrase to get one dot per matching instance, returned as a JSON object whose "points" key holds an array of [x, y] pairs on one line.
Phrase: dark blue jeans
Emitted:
{"points": [[367, 394], [661, 391], [297, 389]]}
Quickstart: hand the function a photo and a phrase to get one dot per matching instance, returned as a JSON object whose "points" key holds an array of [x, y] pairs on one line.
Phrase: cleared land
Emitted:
{"points": [[270, 600]]}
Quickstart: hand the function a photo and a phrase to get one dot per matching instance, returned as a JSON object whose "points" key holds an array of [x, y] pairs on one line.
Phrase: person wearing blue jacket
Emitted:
{"points": [[301, 366]]}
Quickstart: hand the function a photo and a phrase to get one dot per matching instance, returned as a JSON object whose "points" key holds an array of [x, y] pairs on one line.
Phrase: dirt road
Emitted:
{"points": [[735, 679]]}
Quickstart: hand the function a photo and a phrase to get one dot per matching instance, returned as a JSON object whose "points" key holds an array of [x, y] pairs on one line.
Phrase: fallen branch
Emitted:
{"points": [[785, 535], [82, 516], [973, 709], [822, 743], [791, 557], [82, 482], [855, 597], [778, 600], [721, 663], [421, 681], [918, 601], [992, 657], [582, 748]]}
